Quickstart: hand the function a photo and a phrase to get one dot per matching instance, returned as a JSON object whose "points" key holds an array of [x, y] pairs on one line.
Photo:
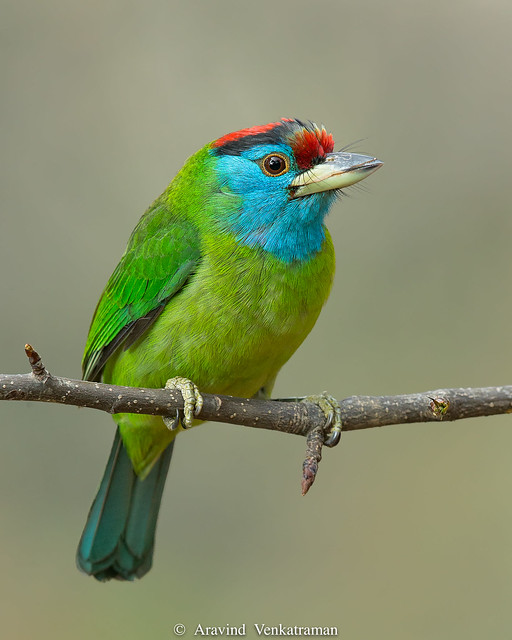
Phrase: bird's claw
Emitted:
{"points": [[332, 411], [192, 403]]}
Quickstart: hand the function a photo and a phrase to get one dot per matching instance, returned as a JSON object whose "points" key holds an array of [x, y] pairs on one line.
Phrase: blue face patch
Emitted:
{"points": [[290, 229]]}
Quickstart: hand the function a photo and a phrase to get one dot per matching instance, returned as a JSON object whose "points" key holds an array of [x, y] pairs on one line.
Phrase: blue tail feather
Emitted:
{"points": [[119, 534]]}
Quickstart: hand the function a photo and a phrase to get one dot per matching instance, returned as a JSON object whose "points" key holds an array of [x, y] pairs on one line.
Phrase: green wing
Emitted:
{"points": [[161, 255]]}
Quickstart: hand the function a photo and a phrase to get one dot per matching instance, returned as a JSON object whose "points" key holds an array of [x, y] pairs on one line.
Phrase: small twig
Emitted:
{"points": [[314, 443], [38, 368]]}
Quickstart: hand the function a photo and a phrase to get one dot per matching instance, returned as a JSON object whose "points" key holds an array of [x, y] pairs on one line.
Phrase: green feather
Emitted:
{"points": [[161, 255], [187, 299], [227, 339], [119, 535]]}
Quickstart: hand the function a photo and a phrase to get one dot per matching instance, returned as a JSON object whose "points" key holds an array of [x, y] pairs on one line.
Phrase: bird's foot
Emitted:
{"points": [[331, 408], [192, 401]]}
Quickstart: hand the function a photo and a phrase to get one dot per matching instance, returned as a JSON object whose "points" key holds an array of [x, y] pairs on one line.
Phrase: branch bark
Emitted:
{"points": [[295, 417]]}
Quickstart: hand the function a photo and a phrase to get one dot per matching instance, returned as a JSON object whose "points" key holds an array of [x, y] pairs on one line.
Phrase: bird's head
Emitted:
{"points": [[277, 182]]}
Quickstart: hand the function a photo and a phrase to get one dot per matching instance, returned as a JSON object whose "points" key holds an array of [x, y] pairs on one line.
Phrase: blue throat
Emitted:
{"points": [[294, 231], [264, 216]]}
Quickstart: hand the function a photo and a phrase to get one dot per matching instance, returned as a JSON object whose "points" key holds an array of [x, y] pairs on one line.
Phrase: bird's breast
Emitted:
{"points": [[238, 319], [250, 311]]}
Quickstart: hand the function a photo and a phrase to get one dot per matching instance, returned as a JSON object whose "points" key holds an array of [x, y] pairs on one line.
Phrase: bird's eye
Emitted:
{"points": [[275, 164]]}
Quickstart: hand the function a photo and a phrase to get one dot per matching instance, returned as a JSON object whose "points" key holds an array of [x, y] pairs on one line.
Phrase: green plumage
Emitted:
{"points": [[223, 278], [240, 316]]}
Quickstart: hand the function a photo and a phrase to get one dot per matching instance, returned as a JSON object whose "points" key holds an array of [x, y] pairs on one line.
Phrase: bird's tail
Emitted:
{"points": [[119, 534]]}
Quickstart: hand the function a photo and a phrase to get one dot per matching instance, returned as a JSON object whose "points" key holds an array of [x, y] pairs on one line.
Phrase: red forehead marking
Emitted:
{"points": [[308, 146], [251, 131]]}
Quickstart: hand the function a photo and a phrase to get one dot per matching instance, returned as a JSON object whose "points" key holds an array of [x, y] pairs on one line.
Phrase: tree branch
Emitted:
{"points": [[300, 418]]}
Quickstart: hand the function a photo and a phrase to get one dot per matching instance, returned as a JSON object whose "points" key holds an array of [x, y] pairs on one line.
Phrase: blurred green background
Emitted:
{"points": [[408, 531]]}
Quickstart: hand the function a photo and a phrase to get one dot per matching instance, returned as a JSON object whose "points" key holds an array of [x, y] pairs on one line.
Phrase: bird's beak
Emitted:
{"points": [[336, 171]]}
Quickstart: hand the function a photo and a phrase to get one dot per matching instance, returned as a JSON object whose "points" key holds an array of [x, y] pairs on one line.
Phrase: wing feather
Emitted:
{"points": [[162, 254]]}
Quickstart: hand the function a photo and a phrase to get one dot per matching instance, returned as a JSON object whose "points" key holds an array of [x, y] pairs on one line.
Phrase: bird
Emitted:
{"points": [[222, 279]]}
